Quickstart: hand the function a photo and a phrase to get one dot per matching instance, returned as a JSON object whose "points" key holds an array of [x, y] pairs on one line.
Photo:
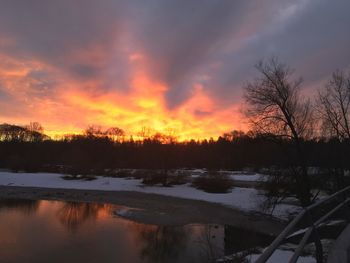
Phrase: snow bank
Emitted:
{"points": [[282, 256], [235, 175], [249, 178], [246, 199]]}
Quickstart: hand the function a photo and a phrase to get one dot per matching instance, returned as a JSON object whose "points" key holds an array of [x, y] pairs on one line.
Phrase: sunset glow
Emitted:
{"points": [[158, 66], [75, 105]]}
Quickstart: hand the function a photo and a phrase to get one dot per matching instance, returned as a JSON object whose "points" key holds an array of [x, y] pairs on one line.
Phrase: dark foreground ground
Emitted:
{"points": [[152, 208]]}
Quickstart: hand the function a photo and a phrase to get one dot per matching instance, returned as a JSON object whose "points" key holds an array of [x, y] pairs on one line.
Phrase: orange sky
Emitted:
{"points": [[74, 105], [164, 65]]}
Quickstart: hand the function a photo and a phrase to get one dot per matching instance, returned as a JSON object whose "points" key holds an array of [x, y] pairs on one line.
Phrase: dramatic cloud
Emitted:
{"points": [[161, 64]]}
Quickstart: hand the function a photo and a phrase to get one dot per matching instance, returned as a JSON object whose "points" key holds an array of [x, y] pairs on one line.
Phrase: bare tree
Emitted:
{"points": [[234, 135], [115, 133], [35, 127], [334, 106], [171, 136], [30, 133], [9, 132], [35, 132], [145, 133], [94, 131], [275, 107]]}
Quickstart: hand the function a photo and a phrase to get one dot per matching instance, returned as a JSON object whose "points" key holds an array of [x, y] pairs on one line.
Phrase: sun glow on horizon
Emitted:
{"points": [[75, 105], [162, 67]]}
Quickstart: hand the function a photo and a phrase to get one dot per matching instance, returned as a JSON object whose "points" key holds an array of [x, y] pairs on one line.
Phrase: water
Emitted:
{"points": [[52, 231]]}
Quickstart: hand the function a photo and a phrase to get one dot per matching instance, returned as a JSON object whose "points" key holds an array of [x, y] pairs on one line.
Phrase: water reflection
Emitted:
{"points": [[233, 242], [49, 231], [74, 214], [211, 242], [23, 205], [190, 243], [162, 243]]}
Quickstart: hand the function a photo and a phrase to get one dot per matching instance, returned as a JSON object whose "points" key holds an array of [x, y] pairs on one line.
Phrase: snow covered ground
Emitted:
{"points": [[235, 175], [249, 178], [246, 199], [281, 256]]}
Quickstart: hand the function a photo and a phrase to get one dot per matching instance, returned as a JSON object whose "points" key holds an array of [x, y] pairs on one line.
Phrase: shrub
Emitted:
{"points": [[179, 178], [78, 177], [213, 183], [155, 177], [123, 173]]}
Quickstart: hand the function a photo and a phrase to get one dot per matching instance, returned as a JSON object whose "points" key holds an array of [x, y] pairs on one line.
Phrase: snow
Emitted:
{"points": [[246, 199], [334, 222], [123, 212], [298, 232], [249, 178], [197, 172], [201, 171], [235, 175], [282, 256], [329, 223]]}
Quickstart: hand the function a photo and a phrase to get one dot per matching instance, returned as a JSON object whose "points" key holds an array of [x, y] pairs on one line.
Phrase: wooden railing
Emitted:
{"points": [[311, 217]]}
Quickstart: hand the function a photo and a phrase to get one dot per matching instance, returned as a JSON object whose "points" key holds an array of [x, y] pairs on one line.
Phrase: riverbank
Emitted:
{"points": [[152, 208], [246, 199]]}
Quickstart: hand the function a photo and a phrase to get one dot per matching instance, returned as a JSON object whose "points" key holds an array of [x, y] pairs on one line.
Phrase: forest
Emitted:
{"points": [[302, 141]]}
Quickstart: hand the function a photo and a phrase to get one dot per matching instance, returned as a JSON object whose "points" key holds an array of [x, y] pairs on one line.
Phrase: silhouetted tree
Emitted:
{"points": [[35, 127], [234, 135], [9, 132], [30, 133], [164, 138], [145, 133], [35, 132], [334, 106], [274, 106], [94, 131], [115, 133]]}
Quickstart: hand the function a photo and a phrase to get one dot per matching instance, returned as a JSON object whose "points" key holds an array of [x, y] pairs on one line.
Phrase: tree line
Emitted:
{"points": [[289, 134], [235, 150]]}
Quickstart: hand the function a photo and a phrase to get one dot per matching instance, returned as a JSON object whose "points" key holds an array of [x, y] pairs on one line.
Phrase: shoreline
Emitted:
{"points": [[150, 208]]}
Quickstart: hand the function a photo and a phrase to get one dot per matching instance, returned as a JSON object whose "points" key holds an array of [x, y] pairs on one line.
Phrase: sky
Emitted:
{"points": [[168, 65]]}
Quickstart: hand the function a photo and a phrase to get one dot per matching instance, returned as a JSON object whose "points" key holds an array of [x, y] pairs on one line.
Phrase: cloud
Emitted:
{"points": [[158, 62]]}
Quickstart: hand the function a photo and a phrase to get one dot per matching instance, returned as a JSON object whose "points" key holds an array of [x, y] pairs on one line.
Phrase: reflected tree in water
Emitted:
{"points": [[235, 243], [23, 205], [211, 243], [163, 243], [74, 214]]}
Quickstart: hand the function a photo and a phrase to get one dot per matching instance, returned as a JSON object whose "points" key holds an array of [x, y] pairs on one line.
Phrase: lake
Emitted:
{"points": [[55, 231]]}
